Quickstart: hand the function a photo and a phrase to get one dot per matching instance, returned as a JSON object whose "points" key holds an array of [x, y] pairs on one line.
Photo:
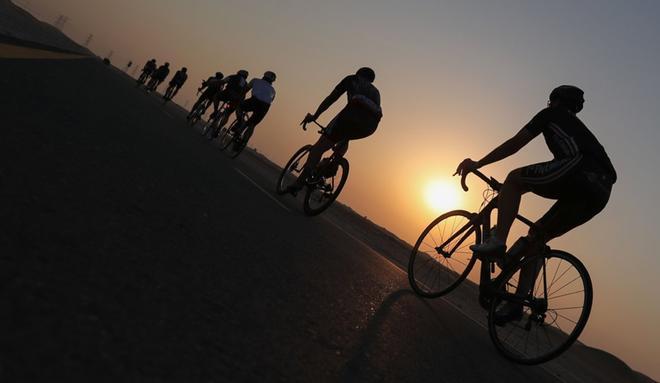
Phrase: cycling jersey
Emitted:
{"points": [[360, 117], [149, 67], [569, 139], [213, 85], [580, 176], [161, 73], [262, 90], [360, 93], [235, 84], [179, 78]]}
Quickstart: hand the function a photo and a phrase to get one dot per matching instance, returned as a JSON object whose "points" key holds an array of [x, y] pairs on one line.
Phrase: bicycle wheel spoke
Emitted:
{"points": [[451, 264], [566, 318], [560, 277], [433, 239], [573, 280], [564, 295], [568, 308]]}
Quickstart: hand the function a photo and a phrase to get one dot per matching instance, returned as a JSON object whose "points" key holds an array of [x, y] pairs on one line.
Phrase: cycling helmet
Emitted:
{"points": [[366, 73], [569, 95], [219, 75], [270, 76], [243, 73]]}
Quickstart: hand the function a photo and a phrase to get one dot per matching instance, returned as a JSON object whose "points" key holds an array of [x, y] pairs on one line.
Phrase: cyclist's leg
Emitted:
{"points": [[580, 202], [341, 148], [321, 146], [259, 110], [545, 179], [176, 90]]}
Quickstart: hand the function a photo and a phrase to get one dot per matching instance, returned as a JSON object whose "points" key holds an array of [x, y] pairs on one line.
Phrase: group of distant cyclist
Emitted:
{"points": [[153, 75]]}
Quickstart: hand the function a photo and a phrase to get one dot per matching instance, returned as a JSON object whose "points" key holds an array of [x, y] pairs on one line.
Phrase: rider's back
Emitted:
{"points": [[355, 85], [567, 137], [235, 84], [262, 90]]}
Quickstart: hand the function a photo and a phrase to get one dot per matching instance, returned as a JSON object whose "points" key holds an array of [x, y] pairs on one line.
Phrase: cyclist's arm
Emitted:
{"points": [[509, 147], [325, 104]]}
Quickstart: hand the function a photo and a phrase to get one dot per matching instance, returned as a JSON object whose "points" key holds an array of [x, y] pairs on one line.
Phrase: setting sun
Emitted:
{"points": [[441, 196]]}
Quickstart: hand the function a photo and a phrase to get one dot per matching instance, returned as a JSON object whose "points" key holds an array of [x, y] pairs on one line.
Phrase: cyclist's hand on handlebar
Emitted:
{"points": [[466, 167], [308, 118]]}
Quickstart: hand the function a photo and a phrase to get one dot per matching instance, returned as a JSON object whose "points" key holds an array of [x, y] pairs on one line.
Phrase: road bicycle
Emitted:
{"points": [[142, 79], [197, 113], [212, 127], [169, 93], [326, 181], [552, 286], [235, 138], [153, 84]]}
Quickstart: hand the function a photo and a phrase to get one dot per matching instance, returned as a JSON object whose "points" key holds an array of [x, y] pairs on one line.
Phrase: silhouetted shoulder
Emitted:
{"points": [[540, 121], [345, 84]]}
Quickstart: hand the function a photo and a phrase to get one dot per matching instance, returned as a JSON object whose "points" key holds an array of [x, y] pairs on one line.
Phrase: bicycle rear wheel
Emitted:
{"points": [[292, 169], [322, 194], [197, 114], [240, 143], [434, 269], [556, 304], [227, 135]]}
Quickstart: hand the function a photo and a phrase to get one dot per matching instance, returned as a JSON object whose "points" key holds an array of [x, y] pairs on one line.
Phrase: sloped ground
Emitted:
{"points": [[130, 250], [18, 24]]}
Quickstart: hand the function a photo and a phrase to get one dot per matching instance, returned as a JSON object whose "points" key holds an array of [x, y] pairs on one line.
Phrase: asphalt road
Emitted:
{"points": [[133, 250]]}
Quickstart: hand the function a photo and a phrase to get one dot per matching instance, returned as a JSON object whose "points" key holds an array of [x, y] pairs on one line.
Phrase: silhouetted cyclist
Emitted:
{"points": [[180, 78], [210, 88], [218, 76], [159, 76], [235, 87], [580, 178], [261, 98], [147, 70], [359, 119]]}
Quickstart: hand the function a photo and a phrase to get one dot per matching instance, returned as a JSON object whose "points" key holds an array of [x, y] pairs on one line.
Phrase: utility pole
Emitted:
{"points": [[61, 20], [89, 40]]}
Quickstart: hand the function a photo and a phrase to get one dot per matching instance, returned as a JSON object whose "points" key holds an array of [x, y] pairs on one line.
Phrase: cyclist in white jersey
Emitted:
{"points": [[262, 96]]}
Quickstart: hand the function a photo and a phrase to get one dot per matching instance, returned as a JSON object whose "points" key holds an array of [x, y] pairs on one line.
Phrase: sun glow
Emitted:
{"points": [[441, 196]]}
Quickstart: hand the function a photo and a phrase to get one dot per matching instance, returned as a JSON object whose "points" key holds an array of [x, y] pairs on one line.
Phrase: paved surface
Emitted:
{"points": [[133, 250]]}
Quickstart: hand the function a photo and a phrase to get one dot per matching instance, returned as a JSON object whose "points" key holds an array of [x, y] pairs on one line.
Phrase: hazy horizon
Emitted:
{"points": [[456, 79]]}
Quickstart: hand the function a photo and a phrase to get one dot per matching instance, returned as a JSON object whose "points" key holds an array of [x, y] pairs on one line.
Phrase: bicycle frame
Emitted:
{"points": [[483, 221]]}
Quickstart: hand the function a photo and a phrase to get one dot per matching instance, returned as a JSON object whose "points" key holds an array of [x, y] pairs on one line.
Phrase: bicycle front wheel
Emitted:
{"points": [[292, 169], [441, 258], [553, 295]]}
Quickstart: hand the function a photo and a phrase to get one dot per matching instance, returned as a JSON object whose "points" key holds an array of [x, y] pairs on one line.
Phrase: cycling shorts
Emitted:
{"points": [[581, 191], [352, 123], [258, 109]]}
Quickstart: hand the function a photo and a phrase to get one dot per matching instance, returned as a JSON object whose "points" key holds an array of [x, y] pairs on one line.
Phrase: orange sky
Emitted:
{"points": [[456, 80]]}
